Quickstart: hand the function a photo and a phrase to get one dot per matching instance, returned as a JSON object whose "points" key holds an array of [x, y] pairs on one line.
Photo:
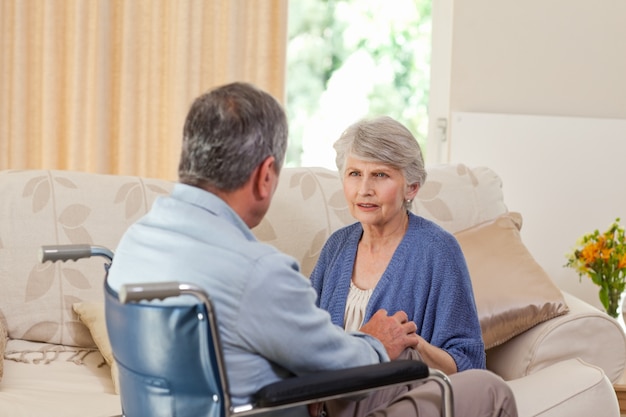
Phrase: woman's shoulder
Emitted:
{"points": [[426, 225], [426, 230]]}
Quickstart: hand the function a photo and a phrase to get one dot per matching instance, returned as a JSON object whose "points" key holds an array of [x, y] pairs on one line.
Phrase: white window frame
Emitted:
{"points": [[438, 140]]}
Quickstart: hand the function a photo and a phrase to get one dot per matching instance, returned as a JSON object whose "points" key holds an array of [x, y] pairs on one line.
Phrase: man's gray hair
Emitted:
{"points": [[383, 140], [228, 132]]}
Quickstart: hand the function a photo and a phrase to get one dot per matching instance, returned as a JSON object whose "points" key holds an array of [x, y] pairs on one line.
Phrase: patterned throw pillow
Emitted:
{"points": [[92, 315]]}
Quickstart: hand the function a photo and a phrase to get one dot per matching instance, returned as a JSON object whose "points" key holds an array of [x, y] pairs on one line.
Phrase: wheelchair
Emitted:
{"points": [[171, 363]]}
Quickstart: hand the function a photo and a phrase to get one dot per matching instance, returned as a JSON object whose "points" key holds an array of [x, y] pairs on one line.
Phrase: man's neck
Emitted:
{"points": [[239, 200]]}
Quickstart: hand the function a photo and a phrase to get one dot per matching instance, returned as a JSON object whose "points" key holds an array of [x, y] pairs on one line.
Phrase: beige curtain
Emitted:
{"points": [[104, 85]]}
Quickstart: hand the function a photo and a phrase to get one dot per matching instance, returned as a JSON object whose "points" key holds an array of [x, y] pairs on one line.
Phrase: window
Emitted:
{"points": [[349, 59]]}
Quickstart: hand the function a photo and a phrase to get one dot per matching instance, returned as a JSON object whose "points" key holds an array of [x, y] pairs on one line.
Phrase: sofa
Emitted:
{"points": [[559, 354]]}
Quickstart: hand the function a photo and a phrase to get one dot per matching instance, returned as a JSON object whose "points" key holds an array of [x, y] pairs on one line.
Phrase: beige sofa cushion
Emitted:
{"points": [[43, 380], [40, 207], [513, 292], [457, 197], [307, 207]]}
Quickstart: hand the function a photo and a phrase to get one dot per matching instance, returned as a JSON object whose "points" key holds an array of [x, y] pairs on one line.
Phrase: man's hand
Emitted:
{"points": [[395, 332]]}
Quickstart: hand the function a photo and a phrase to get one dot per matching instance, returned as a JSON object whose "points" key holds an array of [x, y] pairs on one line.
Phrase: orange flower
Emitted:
{"points": [[602, 257], [605, 254], [590, 253]]}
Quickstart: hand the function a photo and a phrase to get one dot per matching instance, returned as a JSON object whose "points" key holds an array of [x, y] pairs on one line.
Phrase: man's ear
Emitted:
{"points": [[265, 179]]}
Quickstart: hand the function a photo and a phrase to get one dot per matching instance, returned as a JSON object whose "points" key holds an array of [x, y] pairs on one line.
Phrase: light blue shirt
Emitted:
{"points": [[269, 323]]}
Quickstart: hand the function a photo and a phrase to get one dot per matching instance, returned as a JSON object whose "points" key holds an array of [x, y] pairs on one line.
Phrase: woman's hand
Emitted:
{"points": [[435, 357], [395, 332]]}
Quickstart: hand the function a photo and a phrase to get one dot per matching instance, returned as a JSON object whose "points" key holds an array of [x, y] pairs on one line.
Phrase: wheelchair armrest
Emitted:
{"points": [[332, 384]]}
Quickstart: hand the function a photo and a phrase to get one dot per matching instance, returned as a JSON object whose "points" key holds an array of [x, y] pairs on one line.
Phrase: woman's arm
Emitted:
{"points": [[436, 357]]}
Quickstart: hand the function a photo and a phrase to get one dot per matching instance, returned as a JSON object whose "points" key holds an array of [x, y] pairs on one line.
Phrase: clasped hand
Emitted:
{"points": [[395, 332]]}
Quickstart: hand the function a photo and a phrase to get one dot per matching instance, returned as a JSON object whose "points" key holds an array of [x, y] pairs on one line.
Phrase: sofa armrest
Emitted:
{"points": [[584, 332], [568, 388]]}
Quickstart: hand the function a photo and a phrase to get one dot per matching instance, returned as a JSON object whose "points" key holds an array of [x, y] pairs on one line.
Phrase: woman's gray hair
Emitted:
{"points": [[228, 132], [386, 141]]}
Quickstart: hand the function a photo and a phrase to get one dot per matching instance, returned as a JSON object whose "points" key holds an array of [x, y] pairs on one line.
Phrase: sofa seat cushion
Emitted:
{"points": [[65, 381], [513, 292]]}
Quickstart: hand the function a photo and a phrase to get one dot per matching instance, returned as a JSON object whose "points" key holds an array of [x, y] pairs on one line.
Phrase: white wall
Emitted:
{"points": [[565, 59], [563, 174], [557, 57]]}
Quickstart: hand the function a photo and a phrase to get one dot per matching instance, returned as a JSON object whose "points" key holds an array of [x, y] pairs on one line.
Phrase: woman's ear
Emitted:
{"points": [[411, 191]]}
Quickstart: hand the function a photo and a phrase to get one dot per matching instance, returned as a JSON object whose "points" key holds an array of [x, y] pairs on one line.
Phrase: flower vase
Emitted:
{"points": [[615, 308], [621, 312], [615, 300]]}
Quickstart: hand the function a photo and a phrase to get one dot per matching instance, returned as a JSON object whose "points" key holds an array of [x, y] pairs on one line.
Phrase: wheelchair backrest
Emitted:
{"points": [[166, 359]]}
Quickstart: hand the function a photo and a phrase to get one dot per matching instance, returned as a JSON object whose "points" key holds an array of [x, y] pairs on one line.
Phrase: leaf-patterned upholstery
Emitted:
{"points": [[45, 207], [60, 207]]}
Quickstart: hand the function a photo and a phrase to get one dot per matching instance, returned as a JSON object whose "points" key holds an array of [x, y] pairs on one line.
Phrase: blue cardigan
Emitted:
{"points": [[427, 277]]}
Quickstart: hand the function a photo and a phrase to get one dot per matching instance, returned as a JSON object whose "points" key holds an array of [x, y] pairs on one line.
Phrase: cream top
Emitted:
{"points": [[355, 307]]}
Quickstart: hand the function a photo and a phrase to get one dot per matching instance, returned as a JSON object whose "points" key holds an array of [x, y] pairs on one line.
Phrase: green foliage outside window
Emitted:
{"points": [[349, 59]]}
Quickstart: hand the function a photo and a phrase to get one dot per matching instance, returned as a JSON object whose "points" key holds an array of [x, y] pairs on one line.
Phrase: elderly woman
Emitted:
{"points": [[392, 259], [396, 262]]}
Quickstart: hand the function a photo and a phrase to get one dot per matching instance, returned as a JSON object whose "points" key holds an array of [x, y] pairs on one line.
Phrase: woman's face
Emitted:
{"points": [[375, 192]]}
